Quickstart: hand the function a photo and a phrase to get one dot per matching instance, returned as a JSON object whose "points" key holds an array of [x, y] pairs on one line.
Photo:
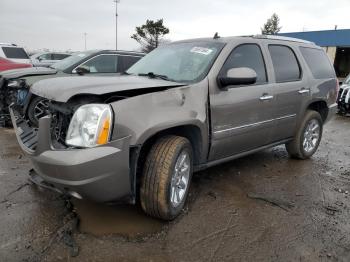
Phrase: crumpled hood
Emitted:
{"points": [[15, 73], [63, 88]]}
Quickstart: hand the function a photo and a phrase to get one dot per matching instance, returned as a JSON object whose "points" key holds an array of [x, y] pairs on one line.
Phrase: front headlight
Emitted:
{"points": [[90, 126]]}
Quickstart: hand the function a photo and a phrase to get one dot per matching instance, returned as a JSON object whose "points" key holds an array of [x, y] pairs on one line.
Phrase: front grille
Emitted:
{"points": [[27, 134], [343, 95], [339, 94]]}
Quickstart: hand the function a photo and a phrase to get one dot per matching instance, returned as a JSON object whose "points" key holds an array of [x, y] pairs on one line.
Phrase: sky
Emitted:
{"points": [[60, 24]]}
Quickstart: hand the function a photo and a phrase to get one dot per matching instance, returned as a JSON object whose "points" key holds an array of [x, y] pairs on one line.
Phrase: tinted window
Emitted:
{"points": [[318, 62], [247, 55], [15, 53], [285, 63], [125, 62], [59, 56], [102, 64]]}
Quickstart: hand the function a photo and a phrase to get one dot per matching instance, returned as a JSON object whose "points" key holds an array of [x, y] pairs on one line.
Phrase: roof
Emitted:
{"points": [[339, 37], [228, 39]]}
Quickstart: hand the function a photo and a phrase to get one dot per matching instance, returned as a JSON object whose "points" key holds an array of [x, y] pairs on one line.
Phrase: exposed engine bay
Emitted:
{"points": [[62, 113], [9, 96]]}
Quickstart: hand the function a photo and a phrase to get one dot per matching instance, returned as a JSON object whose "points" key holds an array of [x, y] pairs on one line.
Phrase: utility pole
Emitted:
{"points": [[116, 23], [85, 34]]}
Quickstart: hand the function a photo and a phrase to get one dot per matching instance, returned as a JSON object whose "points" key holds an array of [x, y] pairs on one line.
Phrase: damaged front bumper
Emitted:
{"points": [[100, 174]]}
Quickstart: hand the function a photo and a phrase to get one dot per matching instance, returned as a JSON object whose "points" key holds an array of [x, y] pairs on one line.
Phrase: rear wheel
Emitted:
{"points": [[37, 109], [308, 136], [166, 177]]}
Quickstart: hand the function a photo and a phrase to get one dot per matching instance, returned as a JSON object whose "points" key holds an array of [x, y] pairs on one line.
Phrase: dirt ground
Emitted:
{"points": [[264, 207]]}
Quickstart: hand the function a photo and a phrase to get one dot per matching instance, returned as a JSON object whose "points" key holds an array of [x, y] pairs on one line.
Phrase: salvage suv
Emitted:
{"points": [[344, 97], [184, 107]]}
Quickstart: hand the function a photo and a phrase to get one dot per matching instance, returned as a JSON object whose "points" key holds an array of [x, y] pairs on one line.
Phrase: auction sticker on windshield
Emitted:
{"points": [[201, 50]]}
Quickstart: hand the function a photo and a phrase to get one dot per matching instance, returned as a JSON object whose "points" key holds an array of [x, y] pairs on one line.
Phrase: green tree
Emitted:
{"points": [[271, 27], [150, 35]]}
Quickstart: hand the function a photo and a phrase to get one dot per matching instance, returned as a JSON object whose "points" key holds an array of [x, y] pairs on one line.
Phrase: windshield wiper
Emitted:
{"points": [[153, 75]]}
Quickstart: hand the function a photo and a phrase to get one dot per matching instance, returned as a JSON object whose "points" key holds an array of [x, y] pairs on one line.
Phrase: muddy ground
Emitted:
{"points": [[264, 207]]}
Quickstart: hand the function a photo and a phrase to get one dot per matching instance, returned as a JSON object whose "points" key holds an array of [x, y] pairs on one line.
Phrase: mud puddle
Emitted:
{"points": [[124, 220]]}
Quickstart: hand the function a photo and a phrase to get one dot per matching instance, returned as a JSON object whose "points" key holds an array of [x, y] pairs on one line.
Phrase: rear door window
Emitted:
{"points": [[15, 52], [318, 62], [247, 55], [285, 64], [125, 62], [59, 56]]}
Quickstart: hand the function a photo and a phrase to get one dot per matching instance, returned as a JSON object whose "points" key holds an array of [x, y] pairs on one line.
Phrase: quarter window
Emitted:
{"points": [[102, 64], [318, 63], [247, 55], [285, 63]]}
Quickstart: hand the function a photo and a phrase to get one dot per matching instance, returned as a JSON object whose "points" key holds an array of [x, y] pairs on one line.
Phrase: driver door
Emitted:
{"points": [[241, 115]]}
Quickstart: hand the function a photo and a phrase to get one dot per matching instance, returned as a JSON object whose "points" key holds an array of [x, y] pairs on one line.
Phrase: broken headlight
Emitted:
{"points": [[17, 83], [90, 126]]}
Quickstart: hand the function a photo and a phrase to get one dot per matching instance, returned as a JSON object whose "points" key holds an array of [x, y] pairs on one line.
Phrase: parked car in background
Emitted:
{"points": [[344, 97], [47, 59], [14, 53], [184, 107], [15, 84], [6, 64]]}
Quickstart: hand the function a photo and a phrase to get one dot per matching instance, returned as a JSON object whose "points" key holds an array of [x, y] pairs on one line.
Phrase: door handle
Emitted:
{"points": [[304, 91], [266, 97]]}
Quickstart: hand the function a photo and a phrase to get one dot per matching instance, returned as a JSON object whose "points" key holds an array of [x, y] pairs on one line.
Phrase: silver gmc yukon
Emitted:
{"points": [[184, 107]]}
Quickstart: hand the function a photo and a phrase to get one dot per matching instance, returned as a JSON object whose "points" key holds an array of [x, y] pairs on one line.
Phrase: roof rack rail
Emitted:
{"points": [[282, 38]]}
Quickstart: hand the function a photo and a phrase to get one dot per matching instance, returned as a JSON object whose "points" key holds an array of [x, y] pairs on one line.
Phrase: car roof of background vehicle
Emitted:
{"points": [[8, 44], [123, 52], [53, 52]]}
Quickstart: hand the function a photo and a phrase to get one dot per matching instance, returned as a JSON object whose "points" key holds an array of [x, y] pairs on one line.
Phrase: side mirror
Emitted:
{"points": [[82, 70], [238, 76]]}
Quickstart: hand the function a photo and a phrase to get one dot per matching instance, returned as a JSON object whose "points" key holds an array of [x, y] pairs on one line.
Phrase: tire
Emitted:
{"points": [[31, 112], [298, 148], [159, 183]]}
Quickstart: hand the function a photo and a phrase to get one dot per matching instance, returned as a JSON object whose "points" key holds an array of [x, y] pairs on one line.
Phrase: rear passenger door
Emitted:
{"points": [[241, 115], [290, 89]]}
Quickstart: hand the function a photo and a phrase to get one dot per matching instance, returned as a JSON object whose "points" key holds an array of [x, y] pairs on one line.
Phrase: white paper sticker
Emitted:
{"points": [[201, 50]]}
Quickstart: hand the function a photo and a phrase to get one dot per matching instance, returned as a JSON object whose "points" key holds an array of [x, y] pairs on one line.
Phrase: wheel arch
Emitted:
{"points": [[139, 153], [321, 107]]}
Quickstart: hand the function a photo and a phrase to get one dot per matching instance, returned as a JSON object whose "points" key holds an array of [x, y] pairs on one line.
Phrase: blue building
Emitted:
{"points": [[335, 42]]}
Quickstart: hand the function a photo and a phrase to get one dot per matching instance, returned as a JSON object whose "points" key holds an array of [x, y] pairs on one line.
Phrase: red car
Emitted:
{"points": [[6, 64]]}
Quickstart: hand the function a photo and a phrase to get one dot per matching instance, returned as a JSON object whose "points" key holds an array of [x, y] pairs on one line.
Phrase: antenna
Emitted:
{"points": [[216, 35]]}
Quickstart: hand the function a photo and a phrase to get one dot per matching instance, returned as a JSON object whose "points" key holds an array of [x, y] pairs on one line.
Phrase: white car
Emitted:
{"points": [[14, 53], [344, 97], [47, 59]]}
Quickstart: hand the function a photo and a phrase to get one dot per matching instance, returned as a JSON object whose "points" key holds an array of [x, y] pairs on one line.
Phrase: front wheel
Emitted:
{"points": [[308, 136], [166, 177], [37, 109]]}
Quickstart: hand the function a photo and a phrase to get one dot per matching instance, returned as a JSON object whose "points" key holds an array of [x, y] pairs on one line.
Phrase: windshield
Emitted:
{"points": [[179, 62], [69, 61]]}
